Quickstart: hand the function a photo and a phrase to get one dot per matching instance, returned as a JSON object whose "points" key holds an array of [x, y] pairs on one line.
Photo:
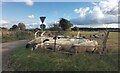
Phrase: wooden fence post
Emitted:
{"points": [[55, 38], [105, 41]]}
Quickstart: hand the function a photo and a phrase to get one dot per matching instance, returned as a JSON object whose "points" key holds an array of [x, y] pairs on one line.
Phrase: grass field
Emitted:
{"points": [[19, 35], [44, 60]]}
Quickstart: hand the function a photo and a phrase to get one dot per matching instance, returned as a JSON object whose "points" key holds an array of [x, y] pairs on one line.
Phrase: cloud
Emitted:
{"points": [[89, 20], [109, 6], [82, 11], [7, 23], [3, 22], [27, 2], [35, 25], [31, 17], [32, 25], [94, 3], [104, 12], [99, 26], [10, 23]]}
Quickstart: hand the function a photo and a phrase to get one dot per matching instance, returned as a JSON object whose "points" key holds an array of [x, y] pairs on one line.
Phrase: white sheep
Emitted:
{"points": [[89, 46], [52, 46]]}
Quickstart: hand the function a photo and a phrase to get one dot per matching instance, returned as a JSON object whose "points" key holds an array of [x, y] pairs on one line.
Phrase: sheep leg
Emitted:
{"points": [[94, 50], [35, 46], [76, 51]]}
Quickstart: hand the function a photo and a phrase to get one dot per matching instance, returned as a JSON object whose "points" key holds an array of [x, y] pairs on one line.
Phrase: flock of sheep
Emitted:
{"points": [[58, 43]]}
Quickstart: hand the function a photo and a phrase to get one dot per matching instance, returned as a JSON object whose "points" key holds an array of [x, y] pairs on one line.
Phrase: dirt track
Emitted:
{"points": [[7, 50]]}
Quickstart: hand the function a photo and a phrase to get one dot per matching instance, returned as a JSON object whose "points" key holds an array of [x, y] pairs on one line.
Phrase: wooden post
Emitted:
{"points": [[55, 38], [105, 40]]}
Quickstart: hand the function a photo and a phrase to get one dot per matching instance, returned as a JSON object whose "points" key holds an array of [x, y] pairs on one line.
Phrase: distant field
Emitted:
{"points": [[44, 60]]}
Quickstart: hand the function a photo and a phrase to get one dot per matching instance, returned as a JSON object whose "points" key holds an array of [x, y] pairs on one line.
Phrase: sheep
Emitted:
{"points": [[31, 45], [89, 46], [65, 47], [52, 46]]}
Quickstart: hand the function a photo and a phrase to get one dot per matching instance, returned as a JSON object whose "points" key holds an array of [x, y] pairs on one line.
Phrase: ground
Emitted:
{"points": [[8, 49]]}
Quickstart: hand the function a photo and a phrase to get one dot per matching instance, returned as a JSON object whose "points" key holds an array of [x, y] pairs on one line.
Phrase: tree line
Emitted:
{"points": [[20, 26], [62, 25]]}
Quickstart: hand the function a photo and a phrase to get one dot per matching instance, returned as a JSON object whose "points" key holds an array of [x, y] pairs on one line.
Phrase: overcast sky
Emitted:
{"points": [[83, 14]]}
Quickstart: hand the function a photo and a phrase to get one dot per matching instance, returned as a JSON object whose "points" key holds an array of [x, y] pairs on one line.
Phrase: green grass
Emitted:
{"points": [[43, 60], [20, 35]]}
